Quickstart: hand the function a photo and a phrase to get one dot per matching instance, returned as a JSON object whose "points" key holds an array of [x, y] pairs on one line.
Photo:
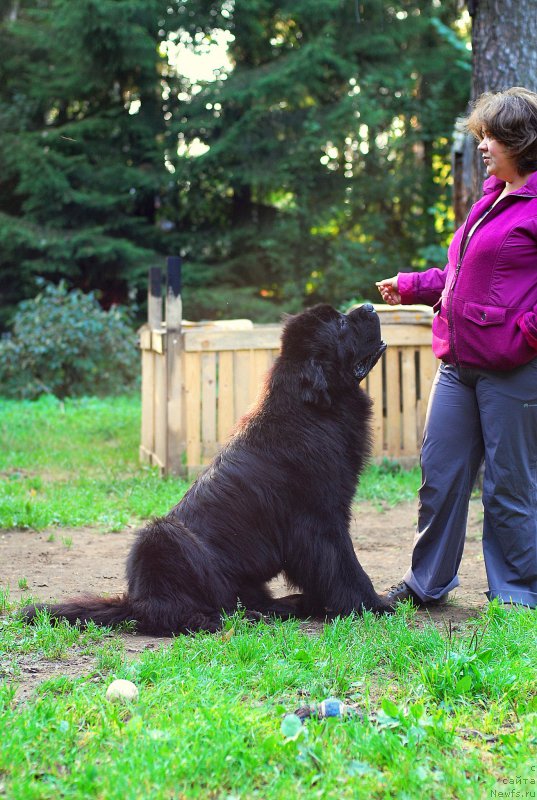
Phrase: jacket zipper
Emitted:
{"points": [[451, 330], [462, 251]]}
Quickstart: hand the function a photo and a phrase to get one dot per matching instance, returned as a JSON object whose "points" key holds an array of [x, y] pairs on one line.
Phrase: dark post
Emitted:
{"points": [[174, 305], [175, 357]]}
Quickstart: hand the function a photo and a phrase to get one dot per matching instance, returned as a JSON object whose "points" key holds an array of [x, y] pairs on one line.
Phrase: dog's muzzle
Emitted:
{"points": [[364, 367]]}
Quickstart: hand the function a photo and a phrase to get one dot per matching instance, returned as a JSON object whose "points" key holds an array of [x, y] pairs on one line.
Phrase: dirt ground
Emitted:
{"points": [[81, 559]]}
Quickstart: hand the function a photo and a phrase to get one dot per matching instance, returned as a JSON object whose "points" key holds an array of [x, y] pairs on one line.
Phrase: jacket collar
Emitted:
{"points": [[493, 184]]}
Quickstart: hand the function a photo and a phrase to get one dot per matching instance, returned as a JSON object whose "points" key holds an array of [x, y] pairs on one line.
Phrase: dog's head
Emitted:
{"points": [[332, 349]]}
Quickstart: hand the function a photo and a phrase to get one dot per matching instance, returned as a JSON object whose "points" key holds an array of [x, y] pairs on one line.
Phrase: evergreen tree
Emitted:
{"points": [[327, 149], [81, 144]]}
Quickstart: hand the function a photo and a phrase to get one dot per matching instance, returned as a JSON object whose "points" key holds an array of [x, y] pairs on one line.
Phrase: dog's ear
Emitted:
{"points": [[313, 384]]}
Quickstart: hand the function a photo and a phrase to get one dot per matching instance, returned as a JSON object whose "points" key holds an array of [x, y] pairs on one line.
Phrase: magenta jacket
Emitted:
{"points": [[486, 297]]}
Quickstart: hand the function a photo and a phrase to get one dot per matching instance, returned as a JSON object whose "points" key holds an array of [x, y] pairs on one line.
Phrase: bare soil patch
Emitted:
{"points": [[71, 561]]}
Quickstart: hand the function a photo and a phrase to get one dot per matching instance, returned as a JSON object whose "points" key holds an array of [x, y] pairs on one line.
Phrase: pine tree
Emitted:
{"points": [[81, 146], [327, 148]]}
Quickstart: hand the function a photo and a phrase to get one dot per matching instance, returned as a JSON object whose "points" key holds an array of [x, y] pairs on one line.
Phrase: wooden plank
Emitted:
{"points": [[397, 315], [156, 462], [145, 337], [147, 434], [209, 339], [220, 325], [192, 409], [158, 341], [241, 382], [262, 361], [428, 368], [226, 410], [176, 406], [406, 335], [375, 392], [154, 298], [208, 407], [393, 414], [144, 455], [160, 450], [269, 338], [408, 385]]}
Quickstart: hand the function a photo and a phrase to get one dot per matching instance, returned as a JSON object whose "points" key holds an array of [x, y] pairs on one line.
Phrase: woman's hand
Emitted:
{"points": [[388, 290]]}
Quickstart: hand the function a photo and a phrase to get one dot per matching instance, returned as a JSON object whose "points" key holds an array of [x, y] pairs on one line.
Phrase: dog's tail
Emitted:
{"points": [[88, 608]]}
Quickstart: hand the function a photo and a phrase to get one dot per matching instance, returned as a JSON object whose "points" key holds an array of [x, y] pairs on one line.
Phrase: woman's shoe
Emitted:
{"points": [[401, 592]]}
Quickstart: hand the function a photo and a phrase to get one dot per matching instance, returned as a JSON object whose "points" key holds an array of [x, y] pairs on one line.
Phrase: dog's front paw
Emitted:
{"points": [[384, 608], [254, 616]]}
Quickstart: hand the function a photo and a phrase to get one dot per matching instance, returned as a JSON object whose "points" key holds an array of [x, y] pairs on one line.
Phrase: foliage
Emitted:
{"points": [[317, 162], [313, 165], [211, 707], [64, 343], [81, 152], [467, 669]]}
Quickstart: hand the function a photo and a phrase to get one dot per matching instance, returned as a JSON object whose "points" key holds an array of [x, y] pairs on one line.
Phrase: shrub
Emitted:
{"points": [[63, 343]]}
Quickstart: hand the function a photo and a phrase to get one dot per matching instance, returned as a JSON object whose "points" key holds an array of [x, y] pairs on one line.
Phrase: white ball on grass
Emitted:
{"points": [[122, 691]]}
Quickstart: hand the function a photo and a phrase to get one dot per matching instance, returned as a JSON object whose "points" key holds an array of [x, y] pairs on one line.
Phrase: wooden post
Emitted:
{"points": [[176, 438], [154, 298], [154, 322]]}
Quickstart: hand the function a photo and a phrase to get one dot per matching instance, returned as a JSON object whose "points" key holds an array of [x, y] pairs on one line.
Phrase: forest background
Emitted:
{"points": [[312, 161]]}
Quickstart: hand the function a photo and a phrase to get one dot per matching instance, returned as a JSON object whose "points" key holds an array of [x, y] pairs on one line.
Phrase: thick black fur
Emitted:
{"points": [[276, 499]]}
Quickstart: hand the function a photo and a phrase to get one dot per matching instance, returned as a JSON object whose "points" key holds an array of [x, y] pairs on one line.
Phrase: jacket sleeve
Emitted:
{"points": [[421, 287], [528, 325]]}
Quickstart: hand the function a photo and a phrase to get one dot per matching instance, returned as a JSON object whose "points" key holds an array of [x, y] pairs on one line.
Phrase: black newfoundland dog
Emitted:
{"points": [[276, 499]]}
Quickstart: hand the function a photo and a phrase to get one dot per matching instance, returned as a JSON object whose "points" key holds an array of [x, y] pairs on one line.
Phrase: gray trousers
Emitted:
{"points": [[475, 415]]}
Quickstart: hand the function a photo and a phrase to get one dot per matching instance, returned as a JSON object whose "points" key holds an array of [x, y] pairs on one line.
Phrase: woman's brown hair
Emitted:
{"points": [[510, 117]]}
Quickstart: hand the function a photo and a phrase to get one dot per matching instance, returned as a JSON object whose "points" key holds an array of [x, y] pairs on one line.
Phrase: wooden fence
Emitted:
{"points": [[198, 379]]}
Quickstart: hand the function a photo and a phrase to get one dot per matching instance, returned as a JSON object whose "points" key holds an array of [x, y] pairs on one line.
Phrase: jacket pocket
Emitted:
{"points": [[484, 315], [440, 331]]}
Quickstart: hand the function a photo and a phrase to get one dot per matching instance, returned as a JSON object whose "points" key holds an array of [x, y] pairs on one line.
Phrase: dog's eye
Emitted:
{"points": [[342, 323]]}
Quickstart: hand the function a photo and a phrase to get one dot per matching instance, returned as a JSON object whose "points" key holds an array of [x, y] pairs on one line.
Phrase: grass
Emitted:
{"points": [[75, 463], [438, 713], [215, 714]]}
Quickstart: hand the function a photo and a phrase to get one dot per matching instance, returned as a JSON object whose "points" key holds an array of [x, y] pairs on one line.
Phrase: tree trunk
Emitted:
{"points": [[504, 44], [504, 47]]}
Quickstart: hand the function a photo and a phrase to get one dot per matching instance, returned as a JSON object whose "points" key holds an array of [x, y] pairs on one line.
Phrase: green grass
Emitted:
{"points": [[388, 483], [212, 716], [75, 464], [439, 713]]}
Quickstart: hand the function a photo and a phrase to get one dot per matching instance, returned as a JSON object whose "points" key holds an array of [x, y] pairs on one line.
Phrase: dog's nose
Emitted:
{"points": [[368, 307]]}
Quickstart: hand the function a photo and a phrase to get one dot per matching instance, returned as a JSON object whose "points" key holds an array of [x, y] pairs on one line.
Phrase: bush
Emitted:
{"points": [[64, 343]]}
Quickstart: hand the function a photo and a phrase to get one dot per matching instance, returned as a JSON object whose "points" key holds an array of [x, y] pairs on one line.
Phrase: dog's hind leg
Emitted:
{"points": [[159, 617], [175, 582]]}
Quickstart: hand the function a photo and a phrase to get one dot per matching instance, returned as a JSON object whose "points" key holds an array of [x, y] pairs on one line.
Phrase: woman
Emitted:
{"points": [[483, 403]]}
